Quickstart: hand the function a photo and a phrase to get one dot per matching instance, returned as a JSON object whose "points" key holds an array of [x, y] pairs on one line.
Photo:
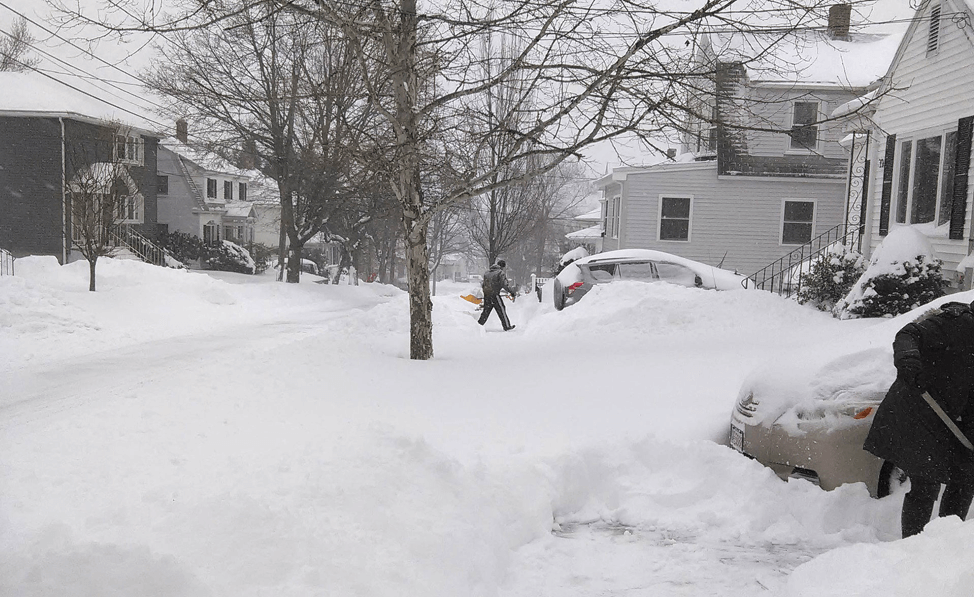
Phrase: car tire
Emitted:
{"points": [[890, 478], [559, 294]]}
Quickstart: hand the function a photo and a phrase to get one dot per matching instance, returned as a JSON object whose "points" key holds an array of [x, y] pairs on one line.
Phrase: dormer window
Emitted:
{"points": [[804, 132], [129, 149], [933, 33]]}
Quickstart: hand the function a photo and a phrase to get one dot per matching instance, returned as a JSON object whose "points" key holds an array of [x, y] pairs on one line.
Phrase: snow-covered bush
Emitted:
{"points": [[903, 274], [830, 277], [229, 257], [184, 247]]}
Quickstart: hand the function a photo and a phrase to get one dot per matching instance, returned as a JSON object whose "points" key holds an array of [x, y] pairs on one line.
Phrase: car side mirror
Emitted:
{"points": [[697, 281]]}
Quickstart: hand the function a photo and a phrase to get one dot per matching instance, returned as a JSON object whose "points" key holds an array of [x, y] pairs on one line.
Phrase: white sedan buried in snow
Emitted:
{"points": [[641, 265], [807, 413]]}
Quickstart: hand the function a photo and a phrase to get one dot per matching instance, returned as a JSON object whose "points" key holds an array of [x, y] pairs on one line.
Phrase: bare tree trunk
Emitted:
{"points": [[281, 253], [91, 273], [420, 301], [294, 253]]}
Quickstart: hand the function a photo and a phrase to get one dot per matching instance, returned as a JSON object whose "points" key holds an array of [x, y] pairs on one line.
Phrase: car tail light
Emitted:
{"points": [[863, 413], [573, 287]]}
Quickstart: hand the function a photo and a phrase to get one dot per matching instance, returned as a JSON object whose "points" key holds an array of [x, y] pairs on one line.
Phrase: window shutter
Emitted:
{"points": [[887, 185], [962, 163]]}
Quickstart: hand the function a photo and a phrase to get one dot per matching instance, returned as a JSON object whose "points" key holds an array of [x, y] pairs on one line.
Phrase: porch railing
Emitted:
{"points": [[784, 275], [6, 263], [143, 248]]}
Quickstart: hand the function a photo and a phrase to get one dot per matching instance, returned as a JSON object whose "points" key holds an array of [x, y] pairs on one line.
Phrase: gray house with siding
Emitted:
{"points": [[765, 173], [51, 135], [921, 136]]}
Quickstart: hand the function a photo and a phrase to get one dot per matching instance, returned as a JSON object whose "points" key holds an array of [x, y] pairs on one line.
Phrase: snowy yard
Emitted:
{"points": [[181, 434]]}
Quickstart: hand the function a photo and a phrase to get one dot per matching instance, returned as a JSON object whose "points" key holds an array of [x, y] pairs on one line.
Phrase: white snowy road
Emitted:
{"points": [[298, 452]]}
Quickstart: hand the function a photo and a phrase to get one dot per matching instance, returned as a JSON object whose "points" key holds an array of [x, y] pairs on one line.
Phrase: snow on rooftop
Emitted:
{"points": [[36, 93], [206, 160]]}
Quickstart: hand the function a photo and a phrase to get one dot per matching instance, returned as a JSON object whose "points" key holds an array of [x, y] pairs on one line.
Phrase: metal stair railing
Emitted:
{"points": [[143, 248], [784, 275]]}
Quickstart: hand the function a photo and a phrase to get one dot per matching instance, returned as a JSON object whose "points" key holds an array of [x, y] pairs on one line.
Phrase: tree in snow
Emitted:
{"points": [[581, 73], [101, 194]]}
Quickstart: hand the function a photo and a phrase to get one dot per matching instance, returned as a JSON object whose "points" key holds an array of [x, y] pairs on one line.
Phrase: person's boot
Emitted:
{"points": [[510, 328]]}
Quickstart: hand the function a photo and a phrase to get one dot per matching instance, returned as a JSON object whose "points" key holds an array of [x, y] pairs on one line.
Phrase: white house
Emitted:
{"points": [[744, 198], [920, 141]]}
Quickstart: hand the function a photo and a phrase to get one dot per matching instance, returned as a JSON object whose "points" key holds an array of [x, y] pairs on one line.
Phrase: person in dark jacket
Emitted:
{"points": [[495, 280], [934, 354]]}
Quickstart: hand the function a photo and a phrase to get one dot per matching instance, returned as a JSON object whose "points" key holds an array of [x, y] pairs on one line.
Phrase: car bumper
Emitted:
{"points": [[828, 457]]}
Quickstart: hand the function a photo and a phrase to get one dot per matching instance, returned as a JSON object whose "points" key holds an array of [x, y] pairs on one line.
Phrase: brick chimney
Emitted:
{"points": [[840, 17], [182, 131]]}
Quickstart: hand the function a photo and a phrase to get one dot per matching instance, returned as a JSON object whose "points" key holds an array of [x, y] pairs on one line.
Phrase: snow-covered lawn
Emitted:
{"points": [[187, 434]]}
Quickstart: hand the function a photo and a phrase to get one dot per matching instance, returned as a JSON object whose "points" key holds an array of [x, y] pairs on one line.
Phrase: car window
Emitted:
{"points": [[642, 272], [677, 274], [602, 272]]}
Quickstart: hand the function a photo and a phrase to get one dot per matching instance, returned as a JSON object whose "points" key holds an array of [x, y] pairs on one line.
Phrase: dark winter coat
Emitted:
{"points": [[495, 280], [906, 431]]}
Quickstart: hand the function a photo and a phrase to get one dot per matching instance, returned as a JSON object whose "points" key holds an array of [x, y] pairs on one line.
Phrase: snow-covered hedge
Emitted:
{"points": [[902, 275], [830, 277], [229, 257]]}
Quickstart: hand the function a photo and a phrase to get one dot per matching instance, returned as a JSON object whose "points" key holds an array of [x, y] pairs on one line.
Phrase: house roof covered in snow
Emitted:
{"points": [[34, 94], [206, 160]]}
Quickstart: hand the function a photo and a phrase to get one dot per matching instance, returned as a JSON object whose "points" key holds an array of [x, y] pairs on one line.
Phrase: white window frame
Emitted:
{"points": [[616, 223], [912, 139], [782, 222], [659, 218], [216, 189], [818, 129], [604, 220], [134, 149]]}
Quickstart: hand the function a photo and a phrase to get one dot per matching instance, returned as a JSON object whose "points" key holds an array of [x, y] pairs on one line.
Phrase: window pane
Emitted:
{"points": [[676, 207], [947, 183], [637, 271], [805, 113], [799, 211], [677, 274], [602, 272], [674, 230], [906, 158], [795, 233], [243, 191], [926, 175]]}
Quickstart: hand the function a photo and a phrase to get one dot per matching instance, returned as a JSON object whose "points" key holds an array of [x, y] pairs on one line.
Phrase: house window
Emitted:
{"points": [[925, 187], [674, 218], [211, 188], [243, 191], [211, 234], [797, 219], [804, 133], [933, 33], [162, 184], [128, 209], [228, 190], [129, 149], [616, 213]]}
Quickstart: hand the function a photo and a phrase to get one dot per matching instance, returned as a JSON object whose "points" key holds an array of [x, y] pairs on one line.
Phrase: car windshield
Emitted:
{"points": [[602, 272], [637, 271]]}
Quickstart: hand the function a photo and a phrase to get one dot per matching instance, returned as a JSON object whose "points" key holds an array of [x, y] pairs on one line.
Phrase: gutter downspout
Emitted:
{"points": [[64, 199]]}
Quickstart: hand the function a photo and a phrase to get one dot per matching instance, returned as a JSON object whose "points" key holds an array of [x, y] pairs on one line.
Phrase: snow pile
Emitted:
{"points": [[194, 437]]}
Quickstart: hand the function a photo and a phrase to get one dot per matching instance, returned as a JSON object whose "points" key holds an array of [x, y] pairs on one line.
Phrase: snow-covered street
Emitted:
{"points": [[186, 434]]}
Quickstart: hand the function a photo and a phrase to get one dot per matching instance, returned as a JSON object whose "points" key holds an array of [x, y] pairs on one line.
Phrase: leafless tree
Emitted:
{"points": [[15, 48], [593, 70], [101, 193], [287, 87]]}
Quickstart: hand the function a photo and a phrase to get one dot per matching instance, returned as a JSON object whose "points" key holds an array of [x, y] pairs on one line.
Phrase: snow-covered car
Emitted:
{"points": [[807, 413], [641, 265]]}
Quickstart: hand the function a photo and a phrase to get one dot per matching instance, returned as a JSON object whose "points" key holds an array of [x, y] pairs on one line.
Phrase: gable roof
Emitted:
{"points": [[205, 160], [34, 94]]}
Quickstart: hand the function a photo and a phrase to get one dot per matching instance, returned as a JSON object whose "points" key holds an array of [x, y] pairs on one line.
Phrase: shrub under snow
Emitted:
{"points": [[902, 275], [229, 257], [830, 277]]}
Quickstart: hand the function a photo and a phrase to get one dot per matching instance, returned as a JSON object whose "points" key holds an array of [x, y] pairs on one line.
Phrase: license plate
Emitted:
{"points": [[737, 438]]}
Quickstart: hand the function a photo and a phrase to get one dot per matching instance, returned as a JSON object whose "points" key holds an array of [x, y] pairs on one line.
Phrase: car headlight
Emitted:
{"points": [[747, 406]]}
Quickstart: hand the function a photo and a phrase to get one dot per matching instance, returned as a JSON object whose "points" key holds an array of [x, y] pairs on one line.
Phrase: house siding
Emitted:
{"points": [[931, 94], [31, 203], [176, 209], [722, 222]]}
